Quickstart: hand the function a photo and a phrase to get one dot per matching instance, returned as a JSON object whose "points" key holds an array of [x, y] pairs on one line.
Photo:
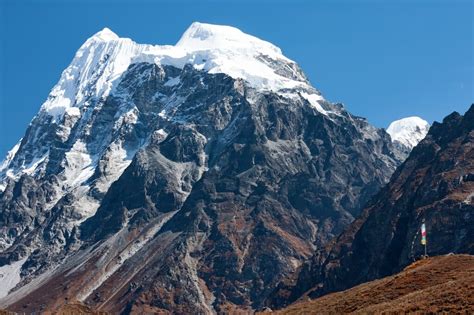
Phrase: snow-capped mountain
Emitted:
{"points": [[99, 63], [408, 131], [189, 178]]}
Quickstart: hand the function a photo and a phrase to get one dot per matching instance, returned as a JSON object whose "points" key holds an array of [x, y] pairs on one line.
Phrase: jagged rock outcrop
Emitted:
{"points": [[176, 178]]}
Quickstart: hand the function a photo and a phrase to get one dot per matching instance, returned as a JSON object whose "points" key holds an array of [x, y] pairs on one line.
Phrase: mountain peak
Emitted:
{"points": [[204, 36], [206, 30], [408, 131], [105, 35], [207, 47]]}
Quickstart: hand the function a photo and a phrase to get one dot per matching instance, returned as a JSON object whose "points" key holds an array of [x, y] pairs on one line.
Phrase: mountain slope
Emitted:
{"points": [[435, 285], [177, 178], [434, 185]]}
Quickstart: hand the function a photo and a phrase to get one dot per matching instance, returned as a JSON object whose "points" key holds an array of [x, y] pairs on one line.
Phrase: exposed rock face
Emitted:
{"points": [[435, 184], [182, 189]]}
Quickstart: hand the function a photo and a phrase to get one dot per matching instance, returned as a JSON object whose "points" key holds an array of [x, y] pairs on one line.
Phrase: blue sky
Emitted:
{"points": [[383, 59]]}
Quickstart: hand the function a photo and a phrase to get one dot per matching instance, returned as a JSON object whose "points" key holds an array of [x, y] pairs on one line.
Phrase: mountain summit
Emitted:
{"points": [[408, 131], [105, 35], [188, 178], [202, 37], [103, 58]]}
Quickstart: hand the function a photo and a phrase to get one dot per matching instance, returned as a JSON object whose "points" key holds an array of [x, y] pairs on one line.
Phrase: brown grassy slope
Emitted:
{"points": [[74, 309], [434, 285], [67, 309]]}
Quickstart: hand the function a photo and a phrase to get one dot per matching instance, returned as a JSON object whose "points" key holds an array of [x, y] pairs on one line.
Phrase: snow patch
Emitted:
{"points": [[173, 81], [78, 166], [73, 111], [6, 163], [10, 156], [30, 169], [118, 159], [10, 276], [314, 99]]}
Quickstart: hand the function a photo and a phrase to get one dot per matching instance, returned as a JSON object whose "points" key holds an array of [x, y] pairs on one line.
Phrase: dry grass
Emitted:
{"points": [[443, 284]]}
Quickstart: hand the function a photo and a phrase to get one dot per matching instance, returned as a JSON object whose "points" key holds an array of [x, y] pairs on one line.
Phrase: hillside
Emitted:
{"points": [[434, 185], [435, 285]]}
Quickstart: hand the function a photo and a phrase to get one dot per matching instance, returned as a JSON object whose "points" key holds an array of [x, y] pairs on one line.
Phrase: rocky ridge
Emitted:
{"points": [[435, 185]]}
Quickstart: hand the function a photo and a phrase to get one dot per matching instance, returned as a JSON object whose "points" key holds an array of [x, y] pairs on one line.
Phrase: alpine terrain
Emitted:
{"points": [[193, 178], [434, 186]]}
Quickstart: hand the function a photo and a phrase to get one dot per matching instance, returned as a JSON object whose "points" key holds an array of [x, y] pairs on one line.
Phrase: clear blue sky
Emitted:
{"points": [[383, 59]]}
